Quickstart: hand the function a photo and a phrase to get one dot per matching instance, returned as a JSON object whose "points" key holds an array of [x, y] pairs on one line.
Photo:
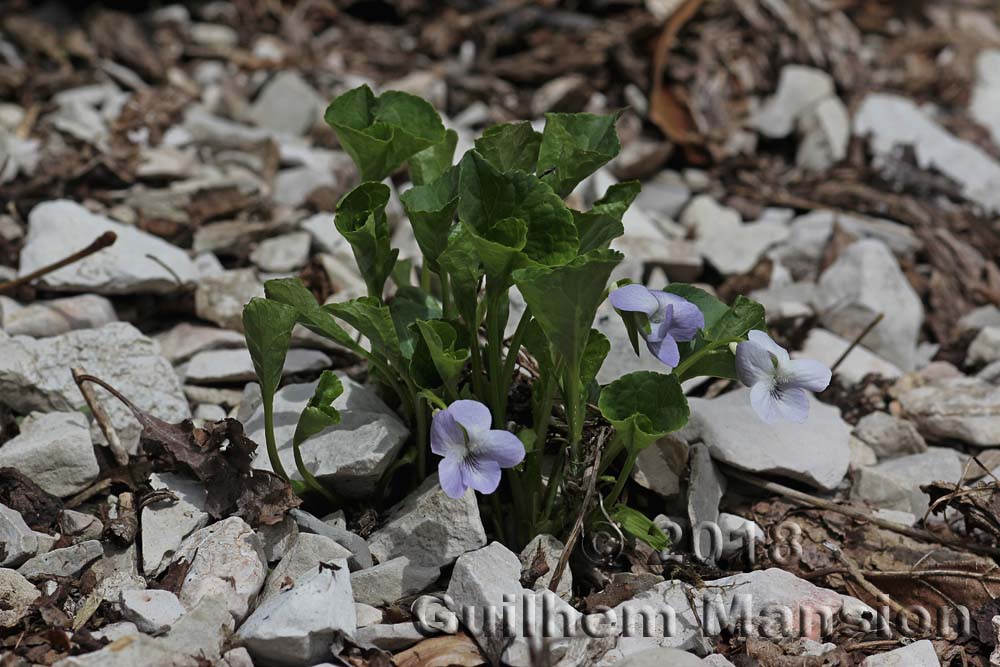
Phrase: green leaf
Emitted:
{"points": [[574, 146], [639, 526], [594, 355], [380, 133], [487, 196], [373, 320], [564, 299], [440, 356], [461, 260], [291, 292], [361, 219], [643, 407], [500, 247], [601, 225], [718, 363], [596, 230], [431, 210], [742, 317], [319, 413], [710, 307], [431, 163], [409, 305], [617, 199], [268, 326], [510, 146]]}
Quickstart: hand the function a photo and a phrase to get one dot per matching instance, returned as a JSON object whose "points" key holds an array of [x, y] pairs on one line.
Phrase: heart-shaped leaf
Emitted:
{"points": [[602, 224], [461, 261], [409, 305], [643, 407], [319, 414], [487, 196], [268, 326], [440, 355], [374, 321], [431, 210], [431, 163], [380, 133], [574, 146], [564, 299], [291, 292], [510, 146], [361, 219]]}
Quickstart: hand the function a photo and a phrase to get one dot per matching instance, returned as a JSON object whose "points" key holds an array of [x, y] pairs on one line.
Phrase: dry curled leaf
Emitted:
{"points": [[453, 650], [221, 457]]}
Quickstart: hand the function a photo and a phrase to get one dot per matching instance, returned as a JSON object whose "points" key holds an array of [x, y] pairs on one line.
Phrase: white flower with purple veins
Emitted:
{"points": [[473, 452], [778, 383], [672, 319]]}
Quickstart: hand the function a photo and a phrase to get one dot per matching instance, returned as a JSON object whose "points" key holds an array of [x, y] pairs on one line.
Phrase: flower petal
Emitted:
{"points": [[473, 415], [793, 404], [483, 476], [753, 363], [450, 477], [765, 341], [764, 403], [687, 317], [501, 446], [808, 374], [661, 328], [666, 351], [447, 435], [634, 298]]}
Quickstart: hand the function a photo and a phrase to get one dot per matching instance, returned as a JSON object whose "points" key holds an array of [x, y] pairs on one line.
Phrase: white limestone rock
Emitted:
{"points": [[227, 560], [34, 375], [298, 626], [351, 456], [54, 450], [392, 580], [430, 528], [864, 281], [165, 523], [153, 611], [59, 228], [816, 452]]}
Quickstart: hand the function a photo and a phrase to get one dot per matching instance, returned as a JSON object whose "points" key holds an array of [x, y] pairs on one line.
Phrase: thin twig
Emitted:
{"points": [[103, 241], [101, 417], [574, 534], [857, 340], [858, 576], [847, 510]]}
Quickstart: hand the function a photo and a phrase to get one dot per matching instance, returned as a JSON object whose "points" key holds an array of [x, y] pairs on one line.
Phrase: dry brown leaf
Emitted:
{"points": [[669, 112], [453, 650]]}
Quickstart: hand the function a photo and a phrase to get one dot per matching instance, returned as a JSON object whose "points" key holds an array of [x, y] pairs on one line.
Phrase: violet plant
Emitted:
{"points": [[495, 220]]}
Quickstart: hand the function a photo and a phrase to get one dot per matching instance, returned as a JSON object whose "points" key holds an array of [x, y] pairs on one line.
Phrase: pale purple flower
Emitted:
{"points": [[473, 452], [778, 383], [672, 319]]}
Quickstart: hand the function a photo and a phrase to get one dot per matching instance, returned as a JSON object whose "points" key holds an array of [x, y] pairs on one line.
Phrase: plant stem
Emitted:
{"points": [[308, 478], [512, 351], [272, 446], [611, 453], [494, 333], [550, 491], [623, 477], [446, 304], [690, 361], [574, 407], [421, 407]]}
